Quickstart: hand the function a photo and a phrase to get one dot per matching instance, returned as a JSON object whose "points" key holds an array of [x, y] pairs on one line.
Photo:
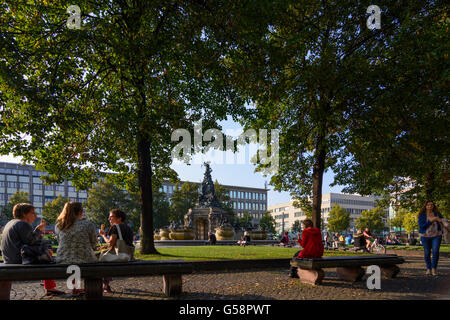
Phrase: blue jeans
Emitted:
{"points": [[431, 245]]}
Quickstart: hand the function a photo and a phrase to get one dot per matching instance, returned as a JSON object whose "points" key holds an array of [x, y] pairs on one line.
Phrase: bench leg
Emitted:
{"points": [[389, 272], [5, 290], [172, 284], [93, 288], [350, 273], [313, 277]]}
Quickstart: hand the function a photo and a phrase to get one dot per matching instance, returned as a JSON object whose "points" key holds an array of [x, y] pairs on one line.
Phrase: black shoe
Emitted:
{"points": [[293, 273], [54, 292]]}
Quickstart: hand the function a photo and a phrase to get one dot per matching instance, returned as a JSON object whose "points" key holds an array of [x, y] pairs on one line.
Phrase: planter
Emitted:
{"points": [[156, 236], [164, 234], [182, 234], [259, 235], [226, 233]]}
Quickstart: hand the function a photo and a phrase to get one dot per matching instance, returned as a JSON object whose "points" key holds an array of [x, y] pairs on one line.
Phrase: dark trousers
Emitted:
{"points": [[293, 271], [431, 246]]}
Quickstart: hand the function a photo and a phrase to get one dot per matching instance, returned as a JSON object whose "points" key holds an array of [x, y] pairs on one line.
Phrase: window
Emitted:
{"points": [[48, 188], [37, 186], [37, 198], [24, 185], [60, 188], [12, 184]]}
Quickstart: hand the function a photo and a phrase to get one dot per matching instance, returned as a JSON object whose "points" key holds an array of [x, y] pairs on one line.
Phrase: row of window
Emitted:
{"points": [[353, 202], [254, 215], [36, 186], [248, 206], [247, 195], [22, 172]]}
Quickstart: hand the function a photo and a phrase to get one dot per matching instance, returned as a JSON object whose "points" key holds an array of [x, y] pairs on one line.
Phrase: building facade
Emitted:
{"points": [[16, 177], [252, 200], [285, 214]]}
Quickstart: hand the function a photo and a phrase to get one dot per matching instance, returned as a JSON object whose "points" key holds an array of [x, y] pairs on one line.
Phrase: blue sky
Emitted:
{"points": [[231, 171]]}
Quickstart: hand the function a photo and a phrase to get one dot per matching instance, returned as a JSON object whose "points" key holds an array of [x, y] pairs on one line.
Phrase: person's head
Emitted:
{"points": [[70, 213], [359, 231], [429, 206], [117, 216], [367, 229], [24, 212], [285, 233], [245, 233], [307, 223]]}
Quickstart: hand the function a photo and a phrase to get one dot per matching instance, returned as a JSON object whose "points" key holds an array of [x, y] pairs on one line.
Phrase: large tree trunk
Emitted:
{"points": [[146, 194], [429, 186], [318, 170]]}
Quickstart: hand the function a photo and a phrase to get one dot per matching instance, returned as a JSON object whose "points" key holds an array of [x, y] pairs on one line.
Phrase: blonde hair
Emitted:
{"points": [[68, 215]]}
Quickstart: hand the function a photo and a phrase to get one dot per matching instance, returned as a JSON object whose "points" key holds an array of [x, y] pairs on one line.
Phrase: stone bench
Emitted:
{"points": [[93, 273], [347, 267]]}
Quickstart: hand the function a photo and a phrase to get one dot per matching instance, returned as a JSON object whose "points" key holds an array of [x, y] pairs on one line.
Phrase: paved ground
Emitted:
{"points": [[410, 284]]}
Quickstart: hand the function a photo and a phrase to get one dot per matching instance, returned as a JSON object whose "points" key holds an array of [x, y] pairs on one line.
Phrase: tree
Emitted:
{"points": [[307, 69], [296, 226], [245, 222], [183, 198], [53, 209], [372, 219], [338, 219], [18, 197], [162, 210], [399, 141], [398, 220], [105, 196], [108, 96], [223, 195], [411, 222], [267, 223]]}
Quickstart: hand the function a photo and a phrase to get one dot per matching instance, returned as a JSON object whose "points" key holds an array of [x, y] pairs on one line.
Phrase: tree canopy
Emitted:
{"points": [[338, 219]]}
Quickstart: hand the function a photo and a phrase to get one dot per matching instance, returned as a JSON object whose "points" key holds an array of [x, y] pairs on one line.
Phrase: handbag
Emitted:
{"points": [[121, 252], [36, 254]]}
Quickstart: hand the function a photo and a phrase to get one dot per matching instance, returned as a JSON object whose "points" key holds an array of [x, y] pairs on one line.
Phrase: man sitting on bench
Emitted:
{"points": [[311, 242]]}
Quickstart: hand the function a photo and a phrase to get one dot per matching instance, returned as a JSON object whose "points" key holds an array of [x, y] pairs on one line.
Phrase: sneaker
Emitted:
{"points": [[428, 273], [434, 272]]}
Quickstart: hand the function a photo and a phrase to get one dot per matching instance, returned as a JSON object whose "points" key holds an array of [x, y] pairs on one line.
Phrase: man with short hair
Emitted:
{"points": [[17, 233]]}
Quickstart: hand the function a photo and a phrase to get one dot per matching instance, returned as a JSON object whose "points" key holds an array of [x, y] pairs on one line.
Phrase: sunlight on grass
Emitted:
{"points": [[228, 252]]}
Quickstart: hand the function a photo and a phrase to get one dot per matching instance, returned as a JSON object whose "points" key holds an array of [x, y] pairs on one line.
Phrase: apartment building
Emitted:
{"points": [[285, 214]]}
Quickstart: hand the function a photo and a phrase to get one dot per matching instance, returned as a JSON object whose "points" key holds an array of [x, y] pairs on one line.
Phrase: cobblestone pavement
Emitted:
{"points": [[411, 283]]}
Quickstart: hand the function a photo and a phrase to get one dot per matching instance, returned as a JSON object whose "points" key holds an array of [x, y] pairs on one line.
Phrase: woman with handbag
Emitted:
{"points": [[430, 230], [120, 242], [76, 236], [18, 233]]}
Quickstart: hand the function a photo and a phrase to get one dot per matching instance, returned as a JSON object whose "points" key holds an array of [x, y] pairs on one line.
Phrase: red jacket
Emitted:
{"points": [[311, 242]]}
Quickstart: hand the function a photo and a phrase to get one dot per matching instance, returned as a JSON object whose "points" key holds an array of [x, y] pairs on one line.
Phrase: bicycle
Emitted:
{"points": [[377, 247]]}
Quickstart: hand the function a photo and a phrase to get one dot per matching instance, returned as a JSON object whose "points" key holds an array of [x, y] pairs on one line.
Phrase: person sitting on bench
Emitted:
{"points": [[17, 233], [359, 241], [311, 242], [285, 239], [245, 239]]}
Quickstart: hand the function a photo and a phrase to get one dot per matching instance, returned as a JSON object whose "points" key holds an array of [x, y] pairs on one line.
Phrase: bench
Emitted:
{"points": [[347, 267], [93, 273]]}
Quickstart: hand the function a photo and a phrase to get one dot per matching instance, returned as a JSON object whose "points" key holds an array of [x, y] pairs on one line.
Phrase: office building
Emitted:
{"points": [[285, 214]]}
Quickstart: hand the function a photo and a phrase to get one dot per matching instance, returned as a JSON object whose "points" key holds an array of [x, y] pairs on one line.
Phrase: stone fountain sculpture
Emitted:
{"points": [[208, 215]]}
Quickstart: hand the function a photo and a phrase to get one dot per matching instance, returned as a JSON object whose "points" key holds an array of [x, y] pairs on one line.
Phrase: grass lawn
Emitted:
{"points": [[444, 247], [228, 252]]}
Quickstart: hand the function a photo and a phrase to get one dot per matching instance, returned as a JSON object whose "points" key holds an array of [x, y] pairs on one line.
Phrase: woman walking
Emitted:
{"points": [[430, 230]]}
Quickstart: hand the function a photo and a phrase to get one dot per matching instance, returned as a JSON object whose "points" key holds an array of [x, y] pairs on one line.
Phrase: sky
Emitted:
{"points": [[238, 171]]}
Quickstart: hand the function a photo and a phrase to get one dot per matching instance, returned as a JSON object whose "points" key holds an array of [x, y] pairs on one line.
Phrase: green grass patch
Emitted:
{"points": [[228, 252], [444, 247]]}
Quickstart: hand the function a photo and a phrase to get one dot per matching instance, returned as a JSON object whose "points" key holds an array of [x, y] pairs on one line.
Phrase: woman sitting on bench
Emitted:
{"points": [[311, 242]]}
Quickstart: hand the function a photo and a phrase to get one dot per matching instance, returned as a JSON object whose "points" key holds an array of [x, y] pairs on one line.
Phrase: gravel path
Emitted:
{"points": [[410, 284]]}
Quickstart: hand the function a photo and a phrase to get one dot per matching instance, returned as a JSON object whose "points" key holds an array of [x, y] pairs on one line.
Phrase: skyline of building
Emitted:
{"points": [[285, 214], [17, 177]]}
